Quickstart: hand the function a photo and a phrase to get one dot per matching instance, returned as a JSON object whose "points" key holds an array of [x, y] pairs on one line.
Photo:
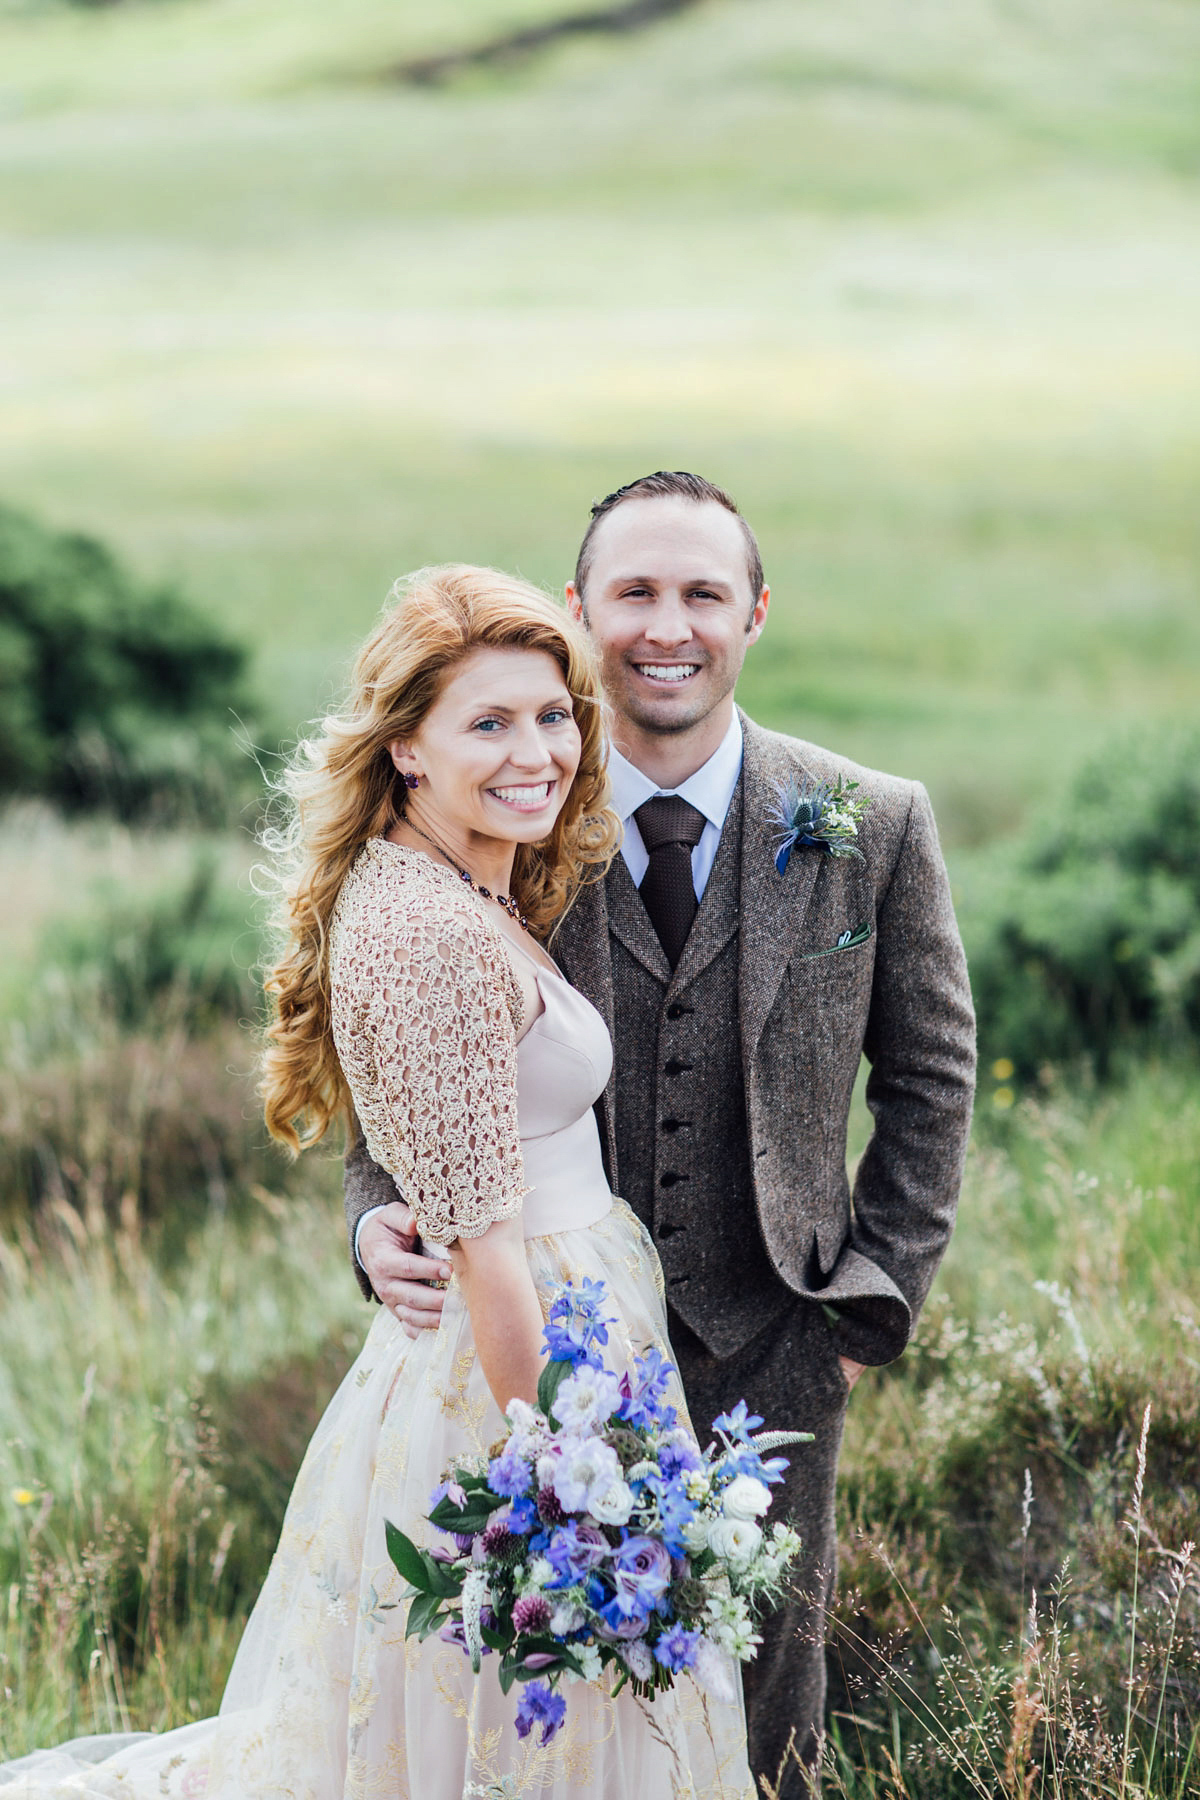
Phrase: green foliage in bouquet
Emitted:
{"points": [[1084, 936], [113, 696]]}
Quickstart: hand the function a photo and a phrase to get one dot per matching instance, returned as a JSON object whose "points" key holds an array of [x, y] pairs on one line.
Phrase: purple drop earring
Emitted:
{"points": [[411, 780]]}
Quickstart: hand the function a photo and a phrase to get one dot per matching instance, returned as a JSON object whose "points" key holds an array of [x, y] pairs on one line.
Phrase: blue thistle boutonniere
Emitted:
{"points": [[825, 817]]}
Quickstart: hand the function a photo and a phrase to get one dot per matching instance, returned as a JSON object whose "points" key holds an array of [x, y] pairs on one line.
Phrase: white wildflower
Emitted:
{"points": [[586, 1399], [586, 1469], [637, 1659], [566, 1618], [590, 1661]]}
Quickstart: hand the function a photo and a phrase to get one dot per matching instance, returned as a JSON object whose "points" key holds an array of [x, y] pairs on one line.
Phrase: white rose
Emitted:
{"points": [[745, 1498], [614, 1505], [735, 1540], [695, 1534]]}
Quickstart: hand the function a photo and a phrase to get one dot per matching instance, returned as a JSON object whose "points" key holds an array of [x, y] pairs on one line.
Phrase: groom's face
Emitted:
{"points": [[669, 606]]}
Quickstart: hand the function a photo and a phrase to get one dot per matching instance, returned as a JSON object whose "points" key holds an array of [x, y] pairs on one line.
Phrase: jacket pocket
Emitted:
{"points": [[854, 940]]}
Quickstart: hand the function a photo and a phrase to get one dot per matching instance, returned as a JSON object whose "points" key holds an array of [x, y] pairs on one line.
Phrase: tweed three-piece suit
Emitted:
{"points": [[724, 1127]]}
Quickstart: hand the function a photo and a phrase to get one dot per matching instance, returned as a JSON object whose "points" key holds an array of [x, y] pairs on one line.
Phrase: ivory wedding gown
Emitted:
{"points": [[326, 1700]]}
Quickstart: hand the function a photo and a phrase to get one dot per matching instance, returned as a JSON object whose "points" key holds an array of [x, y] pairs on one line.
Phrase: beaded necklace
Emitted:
{"points": [[505, 901]]}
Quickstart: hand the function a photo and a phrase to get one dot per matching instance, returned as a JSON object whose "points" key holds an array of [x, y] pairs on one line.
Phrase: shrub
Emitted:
{"points": [[1084, 935], [113, 695]]}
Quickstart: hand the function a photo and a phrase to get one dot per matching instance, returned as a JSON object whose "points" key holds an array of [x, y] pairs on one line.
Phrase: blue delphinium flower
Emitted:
{"points": [[675, 1513], [642, 1402], [509, 1474], [522, 1516], [573, 1551], [676, 1648], [574, 1329], [539, 1706], [738, 1423], [679, 1458]]}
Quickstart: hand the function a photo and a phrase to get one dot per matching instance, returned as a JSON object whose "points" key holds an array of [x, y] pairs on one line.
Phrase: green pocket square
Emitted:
{"points": [[850, 940]]}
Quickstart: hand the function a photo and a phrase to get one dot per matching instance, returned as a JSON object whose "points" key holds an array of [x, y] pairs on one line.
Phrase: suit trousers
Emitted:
{"points": [[791, 1375]]}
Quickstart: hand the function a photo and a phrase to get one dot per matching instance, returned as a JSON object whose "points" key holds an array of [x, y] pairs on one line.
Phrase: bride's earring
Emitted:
{"points": [[411, 780]]}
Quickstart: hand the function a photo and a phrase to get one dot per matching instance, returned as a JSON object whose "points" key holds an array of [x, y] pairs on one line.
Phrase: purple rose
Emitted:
{"points": [[641, 1570]]}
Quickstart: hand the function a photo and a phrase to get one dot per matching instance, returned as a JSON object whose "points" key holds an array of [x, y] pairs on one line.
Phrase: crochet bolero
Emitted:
{"points": [[426, 1009]]}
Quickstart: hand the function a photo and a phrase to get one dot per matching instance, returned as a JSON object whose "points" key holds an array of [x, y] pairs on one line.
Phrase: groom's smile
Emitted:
{"points": [[670, 604]]}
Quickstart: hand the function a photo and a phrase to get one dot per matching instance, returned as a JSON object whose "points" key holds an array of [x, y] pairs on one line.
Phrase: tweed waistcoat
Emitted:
{"points": [[681, 1107]]}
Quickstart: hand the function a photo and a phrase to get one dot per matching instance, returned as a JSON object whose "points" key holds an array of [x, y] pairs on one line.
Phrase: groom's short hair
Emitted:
{"points": [[677, 484]]}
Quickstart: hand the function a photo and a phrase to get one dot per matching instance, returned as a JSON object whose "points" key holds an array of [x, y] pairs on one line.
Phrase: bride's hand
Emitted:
{"points": [[400, 1273]]}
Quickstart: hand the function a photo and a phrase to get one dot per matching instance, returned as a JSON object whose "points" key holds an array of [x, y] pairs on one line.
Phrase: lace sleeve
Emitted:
{"points": [[431, 1059]]}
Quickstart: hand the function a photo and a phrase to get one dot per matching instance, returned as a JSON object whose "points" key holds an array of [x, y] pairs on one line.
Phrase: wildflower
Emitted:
{"points": [[586, 1468], [586, 1399], [574, 1328], [637, 1659], [737, 1424], [540, 1706], [23, 1496], [509, 1474], [676, 1648], [642, 1401]]}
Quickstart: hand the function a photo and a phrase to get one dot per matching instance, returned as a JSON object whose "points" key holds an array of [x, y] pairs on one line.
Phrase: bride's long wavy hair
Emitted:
{"points": [[340, 788]]}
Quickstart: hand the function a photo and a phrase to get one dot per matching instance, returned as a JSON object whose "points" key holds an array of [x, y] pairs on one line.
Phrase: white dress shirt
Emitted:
{"points": [[709, 790]]}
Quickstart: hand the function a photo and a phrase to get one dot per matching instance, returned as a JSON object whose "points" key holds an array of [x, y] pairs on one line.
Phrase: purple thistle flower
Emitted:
{"points": [[550, 1507], [500, 1542], [540, 1706], [531, 1614]]}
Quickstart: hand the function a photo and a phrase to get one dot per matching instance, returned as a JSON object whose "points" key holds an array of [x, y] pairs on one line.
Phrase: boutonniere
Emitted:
{"points": [[825, 817]]}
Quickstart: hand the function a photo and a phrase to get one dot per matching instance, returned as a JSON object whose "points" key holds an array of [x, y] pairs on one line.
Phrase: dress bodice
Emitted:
{"points": [[563, 1065]]}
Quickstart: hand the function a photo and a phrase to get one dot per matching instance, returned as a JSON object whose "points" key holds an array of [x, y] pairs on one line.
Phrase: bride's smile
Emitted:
{"points": [[494, 759]]}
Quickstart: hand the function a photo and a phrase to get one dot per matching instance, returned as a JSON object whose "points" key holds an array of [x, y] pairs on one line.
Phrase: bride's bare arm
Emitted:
{"points": [[506, 1316]]}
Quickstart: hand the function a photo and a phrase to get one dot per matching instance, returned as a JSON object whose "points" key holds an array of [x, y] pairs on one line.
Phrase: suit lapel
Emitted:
{"points": [[772, 905], [717, 918]]}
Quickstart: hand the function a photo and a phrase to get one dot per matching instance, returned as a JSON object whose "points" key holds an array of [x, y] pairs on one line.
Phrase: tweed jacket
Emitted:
{"points": [[808, 1011]]}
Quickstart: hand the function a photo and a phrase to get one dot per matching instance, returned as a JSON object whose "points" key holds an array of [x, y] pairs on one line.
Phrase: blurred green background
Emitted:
{"points": [[286, 314]]}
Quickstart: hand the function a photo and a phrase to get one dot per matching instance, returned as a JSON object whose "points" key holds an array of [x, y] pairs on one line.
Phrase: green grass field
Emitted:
{"points": [[921, 287], [922, 292]]}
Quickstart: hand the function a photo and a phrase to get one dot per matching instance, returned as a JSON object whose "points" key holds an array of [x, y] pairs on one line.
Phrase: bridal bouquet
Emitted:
{"points": [[600, 1535]]}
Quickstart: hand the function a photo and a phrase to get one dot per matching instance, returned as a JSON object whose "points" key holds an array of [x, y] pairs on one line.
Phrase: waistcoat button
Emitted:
{"points": [[676, 1011], [675, 1067], [670, 1178]]}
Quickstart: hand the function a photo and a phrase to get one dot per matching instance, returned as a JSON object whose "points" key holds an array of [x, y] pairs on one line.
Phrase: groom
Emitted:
{"points": [[740, 1000]]}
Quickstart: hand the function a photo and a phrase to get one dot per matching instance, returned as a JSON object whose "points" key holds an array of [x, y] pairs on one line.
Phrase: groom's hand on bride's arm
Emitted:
{"points": [[399, 1272]]}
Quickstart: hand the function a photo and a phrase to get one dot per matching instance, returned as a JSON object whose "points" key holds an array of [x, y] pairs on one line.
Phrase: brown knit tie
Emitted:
{"points": [[671, 829]]}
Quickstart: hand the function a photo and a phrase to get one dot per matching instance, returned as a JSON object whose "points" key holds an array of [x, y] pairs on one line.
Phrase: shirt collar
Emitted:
{"points": [[709, 790]]}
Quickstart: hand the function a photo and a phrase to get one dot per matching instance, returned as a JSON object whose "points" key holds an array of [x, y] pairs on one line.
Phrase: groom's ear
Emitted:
{"points": [[575, 603], [758, 617]]}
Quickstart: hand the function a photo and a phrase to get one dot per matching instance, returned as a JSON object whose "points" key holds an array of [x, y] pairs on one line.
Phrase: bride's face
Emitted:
{"points": [[497, 751]]}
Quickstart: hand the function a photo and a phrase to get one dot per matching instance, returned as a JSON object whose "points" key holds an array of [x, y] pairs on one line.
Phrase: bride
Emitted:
{"points": [[438, 826]]}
